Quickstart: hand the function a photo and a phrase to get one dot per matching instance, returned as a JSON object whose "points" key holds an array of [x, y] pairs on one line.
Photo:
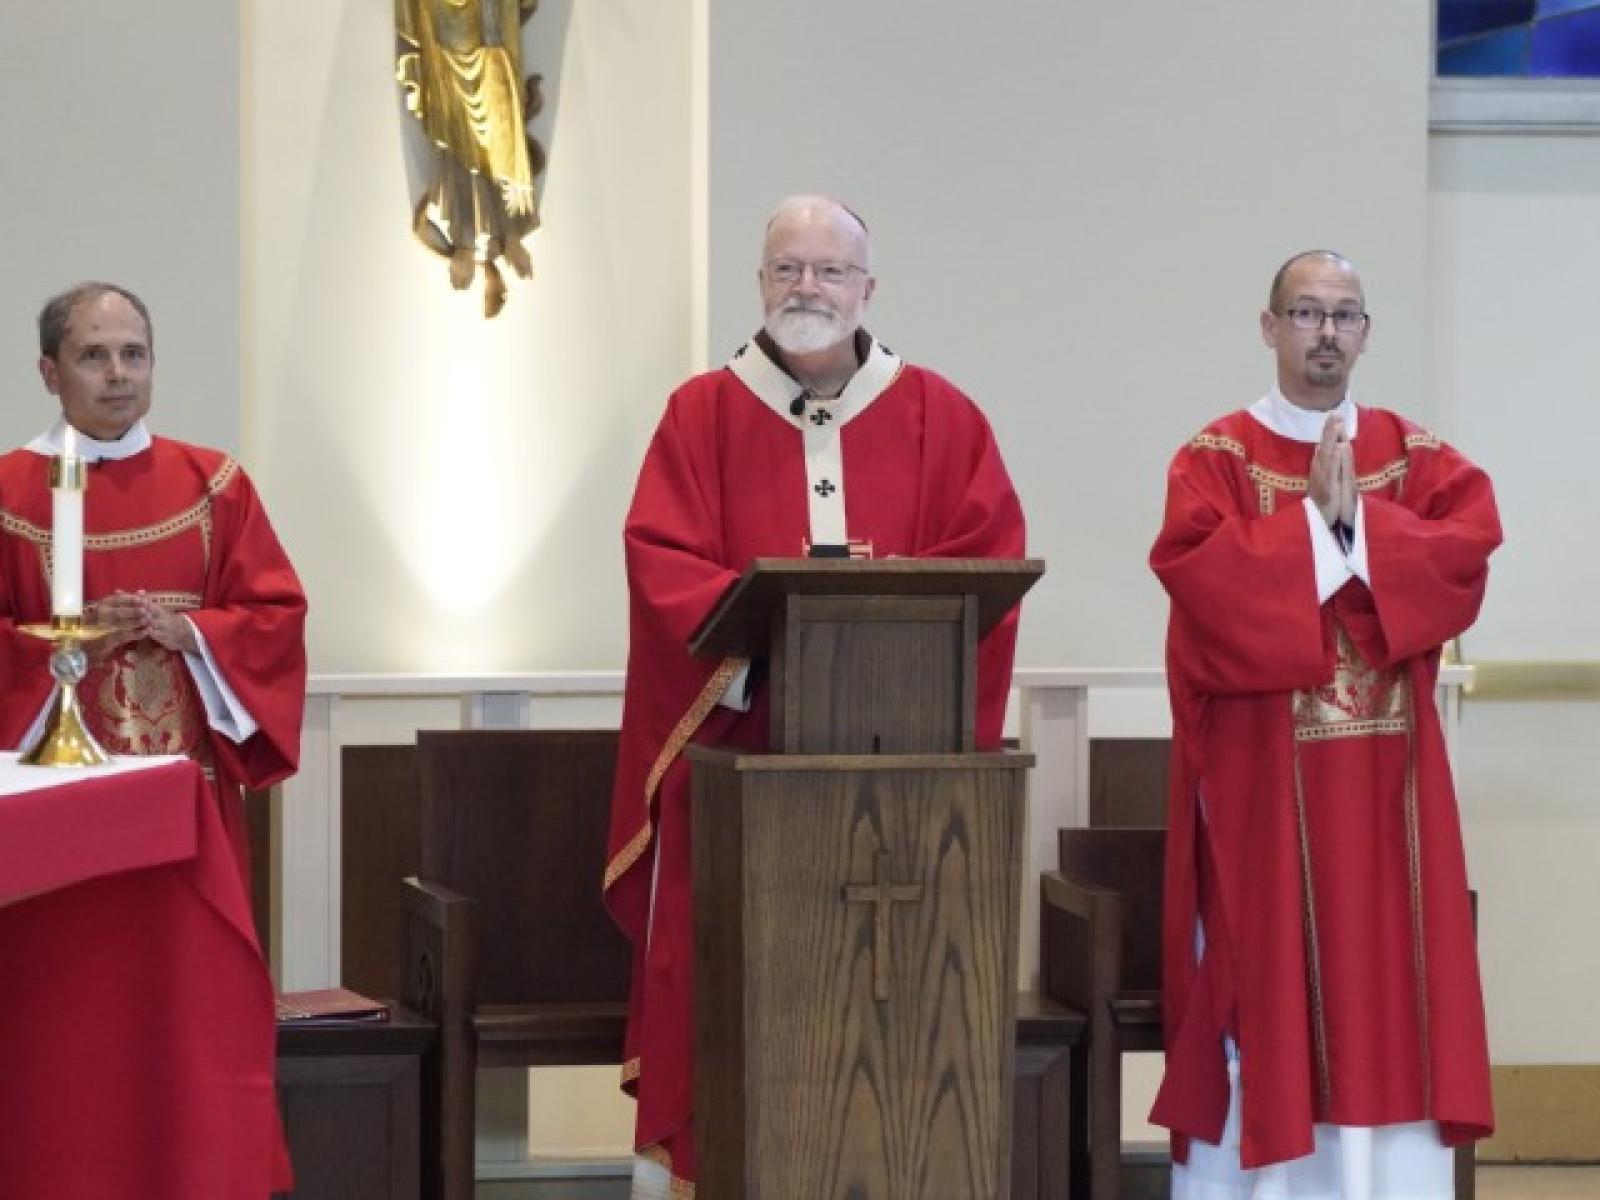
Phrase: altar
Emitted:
{"points": [[136, 1015]]}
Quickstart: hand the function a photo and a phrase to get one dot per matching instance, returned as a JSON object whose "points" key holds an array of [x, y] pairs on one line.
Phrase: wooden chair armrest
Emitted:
{"points": [[1073, 895], [441, 946], [431, 902]]}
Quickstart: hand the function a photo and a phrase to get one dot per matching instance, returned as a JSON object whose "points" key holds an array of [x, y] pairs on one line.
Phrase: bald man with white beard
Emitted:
{"points": [[814, 438]]}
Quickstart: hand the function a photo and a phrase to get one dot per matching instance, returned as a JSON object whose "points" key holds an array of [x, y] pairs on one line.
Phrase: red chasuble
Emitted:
{"points": [[1313, 826], [183, 524], [725, 481]]}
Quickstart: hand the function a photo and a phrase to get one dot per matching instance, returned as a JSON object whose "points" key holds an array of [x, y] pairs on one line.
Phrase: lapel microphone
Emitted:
{"points": [[798, 405]]}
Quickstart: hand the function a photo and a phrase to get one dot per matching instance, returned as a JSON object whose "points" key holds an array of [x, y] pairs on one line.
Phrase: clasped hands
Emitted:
{"points": [[1333, 476], [133, 615]]}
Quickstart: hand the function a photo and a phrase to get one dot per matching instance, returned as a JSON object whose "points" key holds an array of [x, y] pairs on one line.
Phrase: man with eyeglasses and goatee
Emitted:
{"points": [[1321, 1002], [814, 438]]}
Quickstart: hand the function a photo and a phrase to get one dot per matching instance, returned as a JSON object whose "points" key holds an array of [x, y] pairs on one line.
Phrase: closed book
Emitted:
{"points": [[333, 1005]]}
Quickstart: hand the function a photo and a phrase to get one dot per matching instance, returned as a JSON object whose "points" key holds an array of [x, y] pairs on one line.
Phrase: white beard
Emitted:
{"points": [[807, 331]]}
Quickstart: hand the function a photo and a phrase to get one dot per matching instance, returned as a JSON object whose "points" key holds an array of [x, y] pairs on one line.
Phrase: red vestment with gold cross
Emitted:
{"points": [[1313, 828]]}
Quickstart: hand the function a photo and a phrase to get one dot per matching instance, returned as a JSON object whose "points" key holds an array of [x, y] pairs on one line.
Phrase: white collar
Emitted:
{"points": [[135, 441], [1289, 420], [778, 390]]}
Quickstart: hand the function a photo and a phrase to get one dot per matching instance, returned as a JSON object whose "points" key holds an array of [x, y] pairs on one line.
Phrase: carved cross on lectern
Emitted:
{"points": [[880, 894]]}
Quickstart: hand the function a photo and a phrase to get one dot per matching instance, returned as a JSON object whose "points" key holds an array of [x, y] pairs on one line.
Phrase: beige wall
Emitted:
{"points": [[452, 489], [1514, 251], [119, 160], [1077, 208]]}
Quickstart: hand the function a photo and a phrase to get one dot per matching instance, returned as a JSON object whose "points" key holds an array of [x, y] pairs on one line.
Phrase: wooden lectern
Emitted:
{"points": [[856, 892]]}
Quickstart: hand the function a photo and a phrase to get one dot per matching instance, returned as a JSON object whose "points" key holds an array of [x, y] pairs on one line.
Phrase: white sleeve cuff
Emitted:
{"points": [[735, 695], [224, 712], [1357, 558], [1333, 570]]}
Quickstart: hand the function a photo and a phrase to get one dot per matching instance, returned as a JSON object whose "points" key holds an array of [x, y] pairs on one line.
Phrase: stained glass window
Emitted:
{"points": [[1519, 39]]}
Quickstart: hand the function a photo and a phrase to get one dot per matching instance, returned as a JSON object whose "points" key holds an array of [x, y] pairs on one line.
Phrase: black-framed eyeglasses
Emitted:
{"points": [[1311, 316], [791, 270]]}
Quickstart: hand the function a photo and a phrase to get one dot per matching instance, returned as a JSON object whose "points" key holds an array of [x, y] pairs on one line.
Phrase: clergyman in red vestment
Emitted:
{"points": [[1322, 1007], [814, 434], [207, 656]]}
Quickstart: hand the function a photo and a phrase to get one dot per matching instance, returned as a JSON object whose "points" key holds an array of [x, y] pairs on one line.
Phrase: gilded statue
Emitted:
{"points": [[459, 63]]}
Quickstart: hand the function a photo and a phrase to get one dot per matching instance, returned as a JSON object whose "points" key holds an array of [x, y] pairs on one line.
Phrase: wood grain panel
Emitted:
{"points": [[380, 825], [837, 1094], [1128, 781]]}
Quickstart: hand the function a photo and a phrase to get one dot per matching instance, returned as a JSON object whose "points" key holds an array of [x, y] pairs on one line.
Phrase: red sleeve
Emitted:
{"points": [[1428, 557], [1245, 616], [980, 518], [253, 621], [672, 538], [672, 543]]}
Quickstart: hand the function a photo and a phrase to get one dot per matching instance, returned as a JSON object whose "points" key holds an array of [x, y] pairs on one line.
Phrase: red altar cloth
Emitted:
{"points": [[136, 1015]]}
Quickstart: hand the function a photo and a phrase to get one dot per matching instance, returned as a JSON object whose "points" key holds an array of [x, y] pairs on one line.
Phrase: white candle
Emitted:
{"points": [[66, 535]]}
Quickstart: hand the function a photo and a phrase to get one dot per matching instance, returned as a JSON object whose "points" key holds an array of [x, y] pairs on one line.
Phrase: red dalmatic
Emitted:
{"points": [[184, 525], [725, 481], [1313, 826]]}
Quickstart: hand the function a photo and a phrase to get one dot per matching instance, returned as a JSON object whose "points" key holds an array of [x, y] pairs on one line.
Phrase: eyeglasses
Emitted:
{"points": [[788, 270], [1311, 316]]}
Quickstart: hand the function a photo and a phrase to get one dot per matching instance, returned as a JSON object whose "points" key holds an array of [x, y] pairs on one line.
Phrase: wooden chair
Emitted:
{"points": [[508, 947], [1101, 953]]}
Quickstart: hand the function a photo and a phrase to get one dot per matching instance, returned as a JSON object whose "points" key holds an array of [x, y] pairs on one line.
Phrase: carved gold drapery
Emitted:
{"points": [[459, 63]]}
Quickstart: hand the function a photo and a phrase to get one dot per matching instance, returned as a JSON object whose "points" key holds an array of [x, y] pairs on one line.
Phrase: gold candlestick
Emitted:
{"points": [[65, 741]]}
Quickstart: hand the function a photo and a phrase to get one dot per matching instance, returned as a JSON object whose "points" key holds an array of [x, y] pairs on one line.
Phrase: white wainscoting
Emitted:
{"points": [[1053, 711]]}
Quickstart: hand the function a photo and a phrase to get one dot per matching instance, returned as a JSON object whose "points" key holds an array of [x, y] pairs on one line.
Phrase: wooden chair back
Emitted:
{"points": [[517, 820]]}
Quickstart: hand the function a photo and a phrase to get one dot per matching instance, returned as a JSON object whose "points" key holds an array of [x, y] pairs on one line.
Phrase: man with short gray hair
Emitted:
{"points": [[815, 438]]}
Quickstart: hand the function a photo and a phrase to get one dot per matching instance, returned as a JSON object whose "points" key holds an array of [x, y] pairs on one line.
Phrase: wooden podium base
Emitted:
{"points": [[856, 939]]}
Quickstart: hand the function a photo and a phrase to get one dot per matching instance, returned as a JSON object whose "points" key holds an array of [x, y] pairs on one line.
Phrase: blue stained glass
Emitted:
{"points": [[1554, 8], [1503, 53], [1464, 18], [1568, 46]]}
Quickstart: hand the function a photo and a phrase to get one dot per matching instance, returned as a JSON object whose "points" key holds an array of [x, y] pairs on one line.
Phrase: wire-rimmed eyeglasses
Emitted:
{"points": [[790, 270]]}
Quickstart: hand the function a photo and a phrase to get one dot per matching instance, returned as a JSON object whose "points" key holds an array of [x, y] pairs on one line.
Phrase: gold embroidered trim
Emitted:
{"points": [[1421, 440], [1359, 701], [26, 530], [1393, 473], [685, 729], [1216, 441], [629, 854], [682, 1189], [1283, 483], [1270, 482], [198, 513], [1319, 1027], [1418, 947], [657, 1154], [1348, 729], [178, 601]]}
